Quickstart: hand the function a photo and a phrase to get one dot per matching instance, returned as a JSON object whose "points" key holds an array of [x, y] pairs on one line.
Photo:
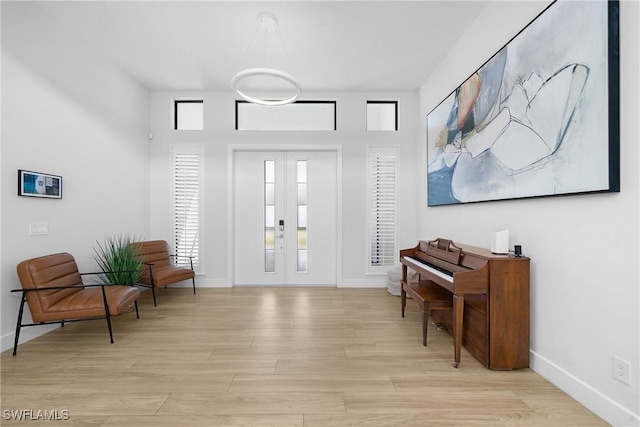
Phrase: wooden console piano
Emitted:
{"points": [[490, 293]]}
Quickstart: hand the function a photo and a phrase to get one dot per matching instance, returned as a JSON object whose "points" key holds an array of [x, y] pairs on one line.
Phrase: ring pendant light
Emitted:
{"points": [[268, 72], [267, 23]]}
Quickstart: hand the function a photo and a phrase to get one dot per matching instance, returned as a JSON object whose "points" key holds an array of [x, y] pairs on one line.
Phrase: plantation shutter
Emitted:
{"points": [[186, 185], [382, 195]]}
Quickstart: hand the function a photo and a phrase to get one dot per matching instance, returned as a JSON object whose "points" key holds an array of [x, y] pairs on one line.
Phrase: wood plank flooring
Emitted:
{"points": [[321, 357]]}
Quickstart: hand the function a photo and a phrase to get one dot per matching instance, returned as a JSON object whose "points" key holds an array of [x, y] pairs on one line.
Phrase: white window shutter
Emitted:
{"points": [[382, 207], [186, 198]]}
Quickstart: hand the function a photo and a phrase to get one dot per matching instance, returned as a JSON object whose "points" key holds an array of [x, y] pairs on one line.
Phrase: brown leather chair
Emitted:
{"points": [[55, 293], [161, 270]]}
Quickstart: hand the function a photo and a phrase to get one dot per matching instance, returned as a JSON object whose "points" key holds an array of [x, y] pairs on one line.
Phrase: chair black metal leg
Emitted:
{"points": [[153, 286], [107, 314], [153, 292], [19, 324], [135, 303], [193, 279], [109, 326]]}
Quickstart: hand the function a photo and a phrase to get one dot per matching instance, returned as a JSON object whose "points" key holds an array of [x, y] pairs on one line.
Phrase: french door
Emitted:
{"points": [[285, 218]]}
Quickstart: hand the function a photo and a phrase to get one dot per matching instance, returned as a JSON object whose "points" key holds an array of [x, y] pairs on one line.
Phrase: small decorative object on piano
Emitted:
{"points": [[500, 242]]}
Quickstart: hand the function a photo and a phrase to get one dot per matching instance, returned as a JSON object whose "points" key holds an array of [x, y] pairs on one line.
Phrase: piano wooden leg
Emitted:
{"points": [[425, 323], [458, 312]]}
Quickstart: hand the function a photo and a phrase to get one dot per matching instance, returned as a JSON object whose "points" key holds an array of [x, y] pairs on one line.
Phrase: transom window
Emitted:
{"points": [[300, 115], [382, 115], [188, 114]]}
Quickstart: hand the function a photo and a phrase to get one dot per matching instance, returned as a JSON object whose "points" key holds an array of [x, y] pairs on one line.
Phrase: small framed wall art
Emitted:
{"points": [[37, 184]]}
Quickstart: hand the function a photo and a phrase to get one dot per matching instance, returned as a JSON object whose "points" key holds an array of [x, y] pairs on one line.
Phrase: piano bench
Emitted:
{"points": [[429, 296]]}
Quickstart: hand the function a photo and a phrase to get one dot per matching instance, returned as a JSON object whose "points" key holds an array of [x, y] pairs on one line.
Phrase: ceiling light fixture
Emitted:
{"points": [[266, 23]]}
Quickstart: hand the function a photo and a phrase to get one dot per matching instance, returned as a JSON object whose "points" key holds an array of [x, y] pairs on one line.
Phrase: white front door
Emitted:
{"points": [[285, 217]]}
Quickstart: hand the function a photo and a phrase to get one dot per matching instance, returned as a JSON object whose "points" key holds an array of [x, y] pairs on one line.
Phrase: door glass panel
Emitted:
{"points": [[269, 261], [302, 216], [269, 171], [269, 193], [302, 260], [269, 216], [302, 171], [302, 238], [270, 239], [302, 193]]}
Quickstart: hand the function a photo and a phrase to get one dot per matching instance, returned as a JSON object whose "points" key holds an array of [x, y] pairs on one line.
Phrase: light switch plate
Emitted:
{"points": [[38, 228]]}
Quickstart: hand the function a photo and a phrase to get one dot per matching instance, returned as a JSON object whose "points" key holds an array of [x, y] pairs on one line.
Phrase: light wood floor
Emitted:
{"points": [[271, 357]]}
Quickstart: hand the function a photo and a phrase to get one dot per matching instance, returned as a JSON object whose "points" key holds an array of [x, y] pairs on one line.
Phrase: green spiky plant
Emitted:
{"points": [[118, 261]]}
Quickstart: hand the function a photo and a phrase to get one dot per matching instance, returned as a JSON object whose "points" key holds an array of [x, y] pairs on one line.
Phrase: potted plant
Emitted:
{"points": [[118, 260]]}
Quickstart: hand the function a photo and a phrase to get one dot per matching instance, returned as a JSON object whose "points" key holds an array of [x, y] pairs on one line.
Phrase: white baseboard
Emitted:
{"points": [[204, 283], [601, 405], [373, 282]]}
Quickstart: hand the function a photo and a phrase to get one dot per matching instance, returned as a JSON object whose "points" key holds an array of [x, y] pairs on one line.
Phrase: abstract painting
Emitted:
{"points": [[539, 118]]}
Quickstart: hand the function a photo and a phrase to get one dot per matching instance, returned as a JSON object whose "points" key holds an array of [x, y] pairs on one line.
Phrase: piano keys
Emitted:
{"points": [[440, 272], [490, 293]]}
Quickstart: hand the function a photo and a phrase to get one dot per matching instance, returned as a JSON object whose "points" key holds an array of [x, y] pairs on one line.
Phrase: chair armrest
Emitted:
{"points": [[150, 265], [184, 256], [48, 288]]}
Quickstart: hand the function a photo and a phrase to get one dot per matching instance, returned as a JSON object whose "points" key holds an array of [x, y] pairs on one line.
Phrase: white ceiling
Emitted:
{"points": [[326, 45]]}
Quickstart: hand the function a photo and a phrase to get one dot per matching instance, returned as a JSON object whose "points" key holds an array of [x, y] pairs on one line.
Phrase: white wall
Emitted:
{"points": [[68, 112], [583, 249], [219, 135]]}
